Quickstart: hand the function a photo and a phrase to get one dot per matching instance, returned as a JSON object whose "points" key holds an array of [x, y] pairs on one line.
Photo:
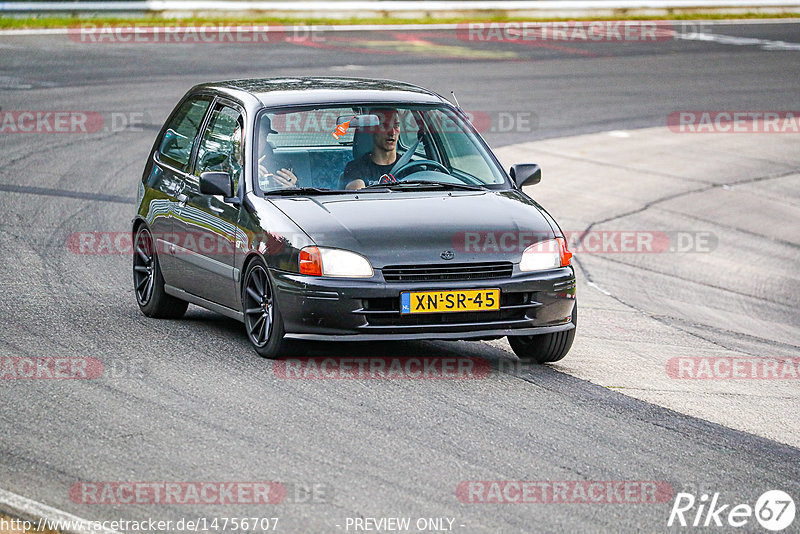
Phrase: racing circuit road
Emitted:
{"points": [[198, 405]]}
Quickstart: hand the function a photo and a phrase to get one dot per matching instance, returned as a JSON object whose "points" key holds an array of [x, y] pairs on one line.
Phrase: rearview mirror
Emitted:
{"points": [[216, 183], [359, 121], [526, 174]]}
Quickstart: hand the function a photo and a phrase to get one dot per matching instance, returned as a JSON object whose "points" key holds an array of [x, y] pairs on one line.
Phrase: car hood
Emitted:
{"points": [[417, 227]]}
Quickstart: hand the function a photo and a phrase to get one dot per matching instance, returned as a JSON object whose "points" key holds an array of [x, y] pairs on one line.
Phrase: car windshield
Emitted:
{"points": [[374, 148]]}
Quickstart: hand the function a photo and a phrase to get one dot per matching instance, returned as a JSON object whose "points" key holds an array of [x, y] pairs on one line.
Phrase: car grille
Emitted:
{"points": [[386, 312], [458, 271]]}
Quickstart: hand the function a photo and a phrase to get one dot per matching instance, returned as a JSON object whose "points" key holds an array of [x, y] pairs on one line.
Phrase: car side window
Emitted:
{"points": [[463, 152], [221, 146], [175, 148]]}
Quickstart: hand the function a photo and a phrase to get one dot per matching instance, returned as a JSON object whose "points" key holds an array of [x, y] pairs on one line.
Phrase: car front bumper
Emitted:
{"points": [[365, 309]]}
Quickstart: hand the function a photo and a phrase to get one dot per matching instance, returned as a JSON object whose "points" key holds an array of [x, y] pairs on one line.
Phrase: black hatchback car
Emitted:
{"points": [[346, 209]]}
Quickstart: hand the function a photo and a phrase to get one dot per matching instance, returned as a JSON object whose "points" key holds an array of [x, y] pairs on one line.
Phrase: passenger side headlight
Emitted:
{"points": [[545, 255], [321, 261]]}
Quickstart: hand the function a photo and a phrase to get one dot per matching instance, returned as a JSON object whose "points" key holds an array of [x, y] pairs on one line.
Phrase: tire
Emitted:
{"points": [[545, 348], [262, 319], [148, 283]]}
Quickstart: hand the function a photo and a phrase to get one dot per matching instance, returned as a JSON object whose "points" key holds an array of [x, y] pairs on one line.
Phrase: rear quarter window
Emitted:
{"points": [[175, 147]]}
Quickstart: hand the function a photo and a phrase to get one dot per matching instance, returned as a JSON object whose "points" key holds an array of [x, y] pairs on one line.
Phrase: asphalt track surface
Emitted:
{"points": [[201, 406]]}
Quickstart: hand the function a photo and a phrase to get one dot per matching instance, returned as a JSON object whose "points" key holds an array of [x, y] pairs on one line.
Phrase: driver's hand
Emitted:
{"points": [[285, 178], [356, 184]]}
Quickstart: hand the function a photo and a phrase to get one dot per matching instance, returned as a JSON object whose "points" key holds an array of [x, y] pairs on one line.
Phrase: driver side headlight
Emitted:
{"points": [[321, 261], [545, 255]]}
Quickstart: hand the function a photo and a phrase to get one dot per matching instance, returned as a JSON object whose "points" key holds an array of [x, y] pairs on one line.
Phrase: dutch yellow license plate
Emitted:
{"points": [[450, 301]]}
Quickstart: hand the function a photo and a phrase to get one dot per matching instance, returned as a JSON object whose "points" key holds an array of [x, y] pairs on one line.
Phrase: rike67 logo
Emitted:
{"points": [[774, 510]]}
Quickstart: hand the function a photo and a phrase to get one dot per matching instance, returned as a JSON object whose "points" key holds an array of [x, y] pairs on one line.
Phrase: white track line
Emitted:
{"points": [[18, 506], [765, 44], [600, 289]]}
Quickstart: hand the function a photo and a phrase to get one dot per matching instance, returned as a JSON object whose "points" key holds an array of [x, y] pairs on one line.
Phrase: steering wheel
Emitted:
{"points": [[419, 163]]}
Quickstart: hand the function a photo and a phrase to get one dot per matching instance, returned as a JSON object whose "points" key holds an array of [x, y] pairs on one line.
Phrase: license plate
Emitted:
{"points": [[450, 301]]}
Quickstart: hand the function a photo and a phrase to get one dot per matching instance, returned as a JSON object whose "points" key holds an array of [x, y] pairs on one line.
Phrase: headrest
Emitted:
{"points": [[362, 143]]}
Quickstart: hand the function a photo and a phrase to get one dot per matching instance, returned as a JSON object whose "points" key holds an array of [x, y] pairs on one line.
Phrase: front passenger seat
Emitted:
{"points": [[362, 144]]}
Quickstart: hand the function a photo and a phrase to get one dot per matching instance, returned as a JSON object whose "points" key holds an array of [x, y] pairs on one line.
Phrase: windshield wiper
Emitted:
{"points": [[423, 183], [302, 191]]}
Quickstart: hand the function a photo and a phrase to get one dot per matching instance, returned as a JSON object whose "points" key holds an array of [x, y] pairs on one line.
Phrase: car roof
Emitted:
{"points": [[293, 91]]}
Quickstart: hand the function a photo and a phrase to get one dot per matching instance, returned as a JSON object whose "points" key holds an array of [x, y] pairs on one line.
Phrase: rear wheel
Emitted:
{"points": [[545, 348], [262, 320], [148, 283]]}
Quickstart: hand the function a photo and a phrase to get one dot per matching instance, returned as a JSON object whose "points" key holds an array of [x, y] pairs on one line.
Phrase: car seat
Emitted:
{"points": [[362, 144]]}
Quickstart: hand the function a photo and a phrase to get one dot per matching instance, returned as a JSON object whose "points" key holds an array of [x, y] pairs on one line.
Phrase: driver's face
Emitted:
{"points": [[386, 136]]}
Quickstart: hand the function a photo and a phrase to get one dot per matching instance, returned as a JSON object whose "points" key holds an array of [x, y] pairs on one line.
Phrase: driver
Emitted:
{"points": [[376, 166], [282, 177]]}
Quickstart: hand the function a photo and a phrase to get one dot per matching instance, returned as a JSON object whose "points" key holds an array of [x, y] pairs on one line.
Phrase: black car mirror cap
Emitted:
{"points": [[217, 183], [526, 174]]}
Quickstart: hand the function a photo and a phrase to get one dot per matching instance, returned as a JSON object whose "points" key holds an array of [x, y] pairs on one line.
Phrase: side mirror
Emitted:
{"points": [[216, 183], [526, 174]]}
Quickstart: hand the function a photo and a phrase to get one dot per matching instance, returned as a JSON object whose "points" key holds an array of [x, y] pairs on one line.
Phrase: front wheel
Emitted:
{"points": [[545, 348], [262, 320]]}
